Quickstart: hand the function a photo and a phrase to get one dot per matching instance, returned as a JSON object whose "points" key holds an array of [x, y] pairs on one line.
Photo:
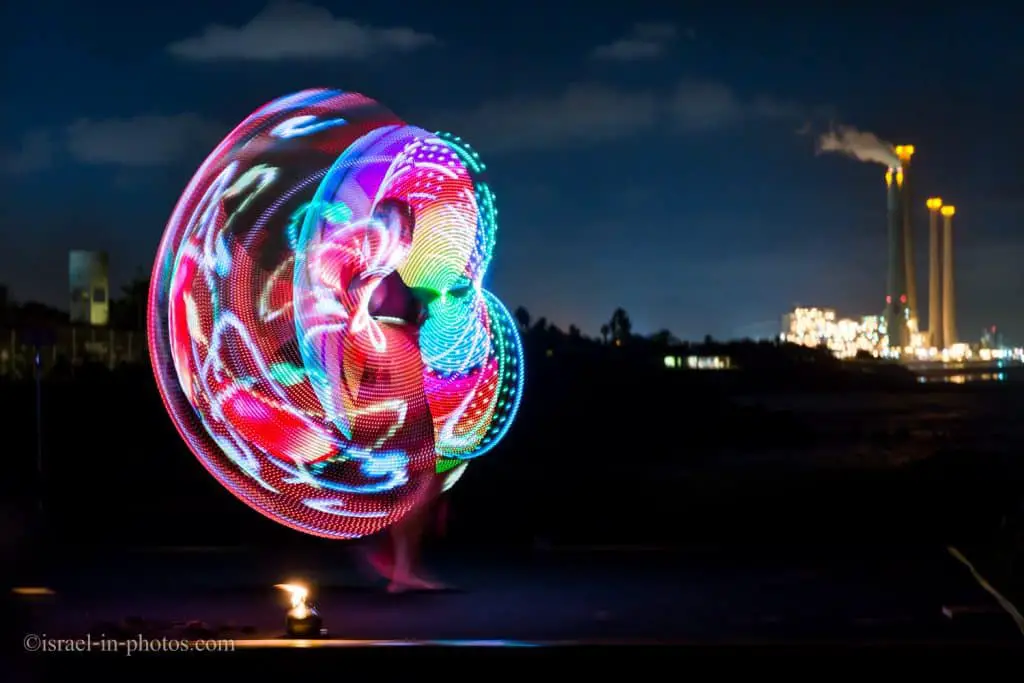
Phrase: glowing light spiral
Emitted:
{"points": [[318, 325]]}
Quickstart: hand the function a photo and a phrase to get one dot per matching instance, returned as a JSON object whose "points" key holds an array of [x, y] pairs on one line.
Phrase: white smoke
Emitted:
{"points": [[859, 145]]}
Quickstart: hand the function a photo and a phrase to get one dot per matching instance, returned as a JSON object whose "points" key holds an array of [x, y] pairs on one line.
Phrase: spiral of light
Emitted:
{"points": [[318, 325]]}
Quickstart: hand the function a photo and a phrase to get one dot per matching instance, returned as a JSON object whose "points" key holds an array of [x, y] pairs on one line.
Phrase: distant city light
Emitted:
{"points": [[844, 337]]}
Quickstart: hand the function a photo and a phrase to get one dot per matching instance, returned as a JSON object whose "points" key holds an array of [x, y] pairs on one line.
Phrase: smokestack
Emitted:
{"points": [[896, 287], [948, 295], [904, 152], [934, 277]]}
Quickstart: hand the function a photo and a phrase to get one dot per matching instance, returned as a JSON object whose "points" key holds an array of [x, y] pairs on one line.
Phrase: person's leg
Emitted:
{"points": [[407, 538], [379, 554]]}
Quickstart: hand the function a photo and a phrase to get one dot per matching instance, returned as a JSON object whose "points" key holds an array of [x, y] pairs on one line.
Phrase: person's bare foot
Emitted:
{"points": [[421, 584], [413, 583]]}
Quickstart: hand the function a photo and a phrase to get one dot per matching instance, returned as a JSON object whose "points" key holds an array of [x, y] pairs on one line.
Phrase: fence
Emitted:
{"points": [[70, 345]]}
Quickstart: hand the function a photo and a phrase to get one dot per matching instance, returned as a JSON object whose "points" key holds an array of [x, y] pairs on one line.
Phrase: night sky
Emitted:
{"points": [[663, 162]]}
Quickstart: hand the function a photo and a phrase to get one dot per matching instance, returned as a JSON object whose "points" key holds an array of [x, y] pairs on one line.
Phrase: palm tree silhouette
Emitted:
{"points": [[621, 326], [523, 318]]}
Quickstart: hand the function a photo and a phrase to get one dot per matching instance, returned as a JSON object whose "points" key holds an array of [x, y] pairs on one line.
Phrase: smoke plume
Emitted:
{"points": [[859, 145]]}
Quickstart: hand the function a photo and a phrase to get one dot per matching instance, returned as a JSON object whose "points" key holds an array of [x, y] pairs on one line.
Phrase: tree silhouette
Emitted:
{"points": [[523, 318], [663, 338], [128, 311], [605, 331], [621, 326]]}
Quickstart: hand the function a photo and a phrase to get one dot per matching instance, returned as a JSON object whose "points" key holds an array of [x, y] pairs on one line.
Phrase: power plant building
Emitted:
{"points": [[897, 313], [935, 338], [844, 337], [898, 331], [89, 278], [905, 152], [901, 314]]}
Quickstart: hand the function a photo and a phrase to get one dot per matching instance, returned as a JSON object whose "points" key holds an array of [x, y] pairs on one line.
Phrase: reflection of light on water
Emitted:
{"points": [[965, 378]]}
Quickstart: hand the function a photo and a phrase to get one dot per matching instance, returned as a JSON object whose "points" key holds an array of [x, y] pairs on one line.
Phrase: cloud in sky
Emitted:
{"points": [[697, 106], [583, 114], [293, 31], [141, 141], [35, 152], [644, 41], [579, 115]]}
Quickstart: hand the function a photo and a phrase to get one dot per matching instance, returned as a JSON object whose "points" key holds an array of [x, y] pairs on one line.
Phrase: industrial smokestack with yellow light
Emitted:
{"points": [[904, 153], [896, 313], [948, 294], [934, 275]]}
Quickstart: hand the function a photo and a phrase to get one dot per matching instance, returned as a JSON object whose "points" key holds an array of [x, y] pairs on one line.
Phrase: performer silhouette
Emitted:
{"points": [[398, 559]]}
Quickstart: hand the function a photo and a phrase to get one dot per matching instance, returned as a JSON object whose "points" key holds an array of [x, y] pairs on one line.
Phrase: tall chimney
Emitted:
{"points": [[896, 286], [904, 152], [948, 294], [934, 275]]}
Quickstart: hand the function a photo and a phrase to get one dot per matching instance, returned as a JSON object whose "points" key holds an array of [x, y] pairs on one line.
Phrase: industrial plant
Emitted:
{"points": [[88, 275], [898, 333]]}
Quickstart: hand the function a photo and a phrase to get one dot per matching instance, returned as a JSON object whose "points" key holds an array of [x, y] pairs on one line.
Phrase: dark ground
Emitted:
{"points": [[867, 593], [827, 515], [580, 604], [752, 598]]}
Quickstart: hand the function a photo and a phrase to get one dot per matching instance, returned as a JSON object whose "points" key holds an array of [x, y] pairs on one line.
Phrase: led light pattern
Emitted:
{"points": [[318, 324]]}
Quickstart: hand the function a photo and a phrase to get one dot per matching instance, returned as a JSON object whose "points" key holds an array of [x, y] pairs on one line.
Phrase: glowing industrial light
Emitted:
{"points": [[904, 152], [903, 298], [934, 203], [899, 177], [844, 337], [948, 211], [888, 177]]}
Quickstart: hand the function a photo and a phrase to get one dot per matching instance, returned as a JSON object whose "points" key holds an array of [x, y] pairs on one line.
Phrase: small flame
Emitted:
{"points": [[298, 594]]}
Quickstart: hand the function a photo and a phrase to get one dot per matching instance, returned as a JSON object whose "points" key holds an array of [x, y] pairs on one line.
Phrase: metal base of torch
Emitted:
{"points": [[309, 625]]}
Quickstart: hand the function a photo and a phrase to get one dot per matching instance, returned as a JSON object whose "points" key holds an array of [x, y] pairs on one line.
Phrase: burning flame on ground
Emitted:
{"points": [[298, 595]]}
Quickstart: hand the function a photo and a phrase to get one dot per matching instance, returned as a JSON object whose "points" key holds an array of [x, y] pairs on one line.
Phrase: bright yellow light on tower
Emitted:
{"points": [[948, 211], [888, 177], [904, 152], [899, 177], [934, 203]]}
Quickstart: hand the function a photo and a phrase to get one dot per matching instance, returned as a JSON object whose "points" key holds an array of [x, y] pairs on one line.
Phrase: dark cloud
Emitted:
{"points": [[141, 141], [34, 153], [697, 106], [293, 30], [584, 114], [579, 115], [644, 41]]}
